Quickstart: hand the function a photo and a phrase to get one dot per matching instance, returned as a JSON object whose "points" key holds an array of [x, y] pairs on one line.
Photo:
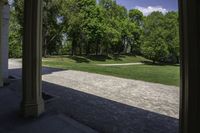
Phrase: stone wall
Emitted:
{"points": [[5, 27]]}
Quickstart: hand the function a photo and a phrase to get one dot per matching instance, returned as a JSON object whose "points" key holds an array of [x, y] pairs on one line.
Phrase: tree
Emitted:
{"points": [[15, 38], [154, 45], [115, 17], [172, 36], [52, 27], [136, 16], [79, 14], [52, 30], [135, 39], [104, 27]]}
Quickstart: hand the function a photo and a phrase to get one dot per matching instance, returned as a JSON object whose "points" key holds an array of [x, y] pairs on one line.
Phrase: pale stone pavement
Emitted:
{"points": [[111, 104]]}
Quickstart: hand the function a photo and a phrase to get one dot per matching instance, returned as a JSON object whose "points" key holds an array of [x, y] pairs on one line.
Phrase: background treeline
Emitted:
{"points": [[88, 27]]}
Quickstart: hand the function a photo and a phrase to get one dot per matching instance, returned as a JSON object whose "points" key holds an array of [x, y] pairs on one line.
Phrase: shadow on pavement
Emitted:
{"points": [[107, 116], [17, 72], [103, 115]]}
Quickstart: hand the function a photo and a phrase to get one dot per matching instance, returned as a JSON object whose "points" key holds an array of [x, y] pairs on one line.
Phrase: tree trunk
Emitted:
{"points": [[87, 49], [177, 60], [107, 50], [44, 53], [97, 48], [125, 45], [131, 49], [80, 49], [73, 47]]}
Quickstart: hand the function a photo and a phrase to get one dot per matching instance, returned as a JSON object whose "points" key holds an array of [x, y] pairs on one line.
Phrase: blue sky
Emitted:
{"points": [[147, 6]]}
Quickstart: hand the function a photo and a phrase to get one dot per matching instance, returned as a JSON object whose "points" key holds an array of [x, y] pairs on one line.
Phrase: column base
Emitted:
{"points": [[32, 110]]}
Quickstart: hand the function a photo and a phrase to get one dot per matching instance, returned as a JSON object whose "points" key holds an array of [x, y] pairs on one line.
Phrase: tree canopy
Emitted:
{"points": [[88, 27]]}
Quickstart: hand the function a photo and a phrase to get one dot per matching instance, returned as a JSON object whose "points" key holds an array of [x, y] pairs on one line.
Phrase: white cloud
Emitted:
{"points": [[148, 10]]}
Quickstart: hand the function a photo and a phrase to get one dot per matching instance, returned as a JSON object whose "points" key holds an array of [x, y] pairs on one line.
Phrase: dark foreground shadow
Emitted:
{"points": [[103, 115], [107, 116], [11, 120]]}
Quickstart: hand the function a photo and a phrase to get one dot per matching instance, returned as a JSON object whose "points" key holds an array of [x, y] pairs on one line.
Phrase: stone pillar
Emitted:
{"points": [[190, 66], [32, 104], [5, 26], [1, 68]]}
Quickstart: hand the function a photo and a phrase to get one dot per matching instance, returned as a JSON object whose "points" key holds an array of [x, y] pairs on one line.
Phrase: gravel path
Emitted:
{"points": [[148, 96], [123, 64]]}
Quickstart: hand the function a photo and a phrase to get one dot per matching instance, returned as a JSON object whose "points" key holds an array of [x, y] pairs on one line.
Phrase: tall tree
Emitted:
{"points": [[136, 17], [52, 29], [103, 27], [15, 38], [172, 36], [154, 45]]}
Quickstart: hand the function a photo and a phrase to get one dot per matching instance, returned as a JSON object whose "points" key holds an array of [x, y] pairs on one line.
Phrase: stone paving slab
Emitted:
{"points": [[50, 122], [53, 124]]}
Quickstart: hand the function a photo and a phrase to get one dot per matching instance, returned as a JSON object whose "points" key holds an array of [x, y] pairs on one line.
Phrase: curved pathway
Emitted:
{"points": [[122, 64]]}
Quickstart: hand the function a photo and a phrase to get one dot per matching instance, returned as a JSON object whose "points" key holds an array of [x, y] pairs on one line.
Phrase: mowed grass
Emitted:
{"points": [[163, 74]]}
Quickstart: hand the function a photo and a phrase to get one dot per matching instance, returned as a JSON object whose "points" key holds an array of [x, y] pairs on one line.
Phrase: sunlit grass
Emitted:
{"points": [[164, 74]]}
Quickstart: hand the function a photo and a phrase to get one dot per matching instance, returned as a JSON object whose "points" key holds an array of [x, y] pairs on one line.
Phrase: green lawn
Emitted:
{"points": [[164, 74]]}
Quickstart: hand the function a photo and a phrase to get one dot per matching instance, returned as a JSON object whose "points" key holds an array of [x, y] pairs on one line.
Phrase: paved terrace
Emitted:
{"points": [[105, 103]]}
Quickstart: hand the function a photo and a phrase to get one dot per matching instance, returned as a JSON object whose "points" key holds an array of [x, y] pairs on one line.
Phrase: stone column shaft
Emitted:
{"points": [[5, 36], [190, 66], [32, 103], [1, 58]]}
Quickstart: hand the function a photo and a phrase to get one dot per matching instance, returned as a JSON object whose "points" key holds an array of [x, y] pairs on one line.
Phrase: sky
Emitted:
{"points": [[148, 6]]}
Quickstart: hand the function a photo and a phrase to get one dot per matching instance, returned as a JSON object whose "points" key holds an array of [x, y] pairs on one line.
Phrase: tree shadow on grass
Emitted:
{"points": [[79, 59], [118, 57], [103, 58], [159, 64], [98, 57]]}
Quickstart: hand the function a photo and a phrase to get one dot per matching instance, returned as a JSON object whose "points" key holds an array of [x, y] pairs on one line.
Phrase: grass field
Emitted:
{"points": [[164, 74]]}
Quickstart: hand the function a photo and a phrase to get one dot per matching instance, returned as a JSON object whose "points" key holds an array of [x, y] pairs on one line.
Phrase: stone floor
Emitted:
{"points": [[108, 104], [49, 122]]}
